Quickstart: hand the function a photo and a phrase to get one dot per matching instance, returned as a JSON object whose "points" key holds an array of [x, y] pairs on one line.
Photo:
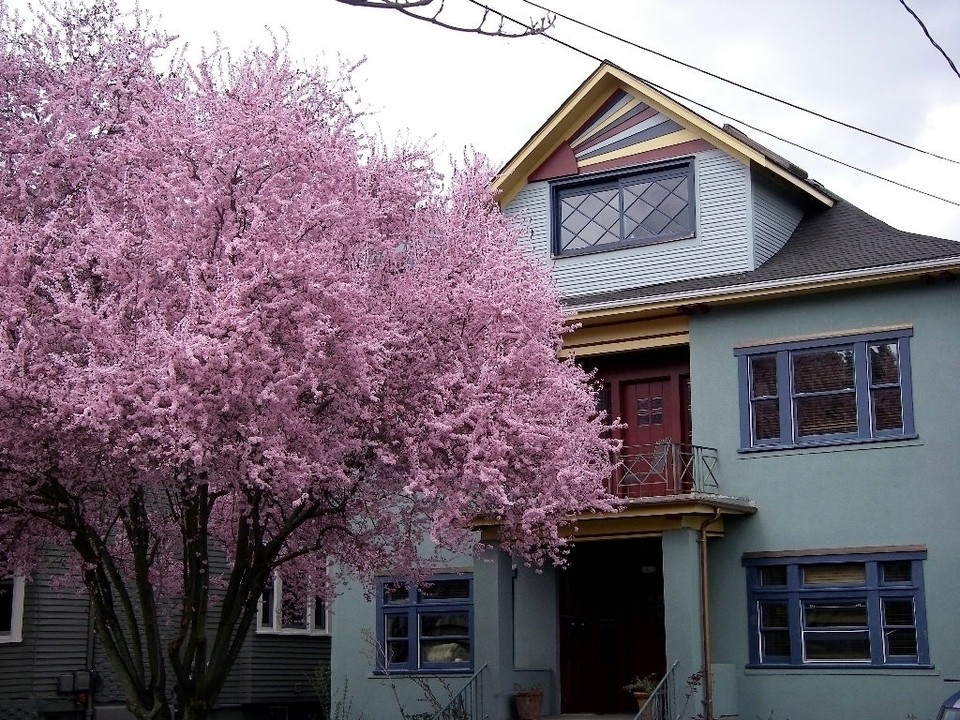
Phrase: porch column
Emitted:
{"points": [[493, 629], [681, 617]]}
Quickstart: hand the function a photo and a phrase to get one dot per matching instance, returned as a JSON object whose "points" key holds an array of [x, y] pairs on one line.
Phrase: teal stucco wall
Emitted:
{"points": [[904, 492]]}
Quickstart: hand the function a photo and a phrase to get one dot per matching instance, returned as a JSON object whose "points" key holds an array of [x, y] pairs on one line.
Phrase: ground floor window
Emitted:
{"points": [[11, 610], [831, 609], [427, 627]]}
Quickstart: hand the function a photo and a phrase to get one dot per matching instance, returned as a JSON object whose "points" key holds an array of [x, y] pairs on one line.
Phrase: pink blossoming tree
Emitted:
{"points": [[233, 327]]}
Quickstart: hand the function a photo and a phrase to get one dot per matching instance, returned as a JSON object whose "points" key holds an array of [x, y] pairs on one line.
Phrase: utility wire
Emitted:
{"points": [[927, 33], [762, 94], [729, 117]]}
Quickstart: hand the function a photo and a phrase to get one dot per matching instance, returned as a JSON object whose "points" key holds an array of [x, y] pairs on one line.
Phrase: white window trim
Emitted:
{"points": [[276, 625], [16, 616]]}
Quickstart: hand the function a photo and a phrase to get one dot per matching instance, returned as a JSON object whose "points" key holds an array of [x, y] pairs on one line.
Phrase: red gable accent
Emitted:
{"points": [[561, 162]]}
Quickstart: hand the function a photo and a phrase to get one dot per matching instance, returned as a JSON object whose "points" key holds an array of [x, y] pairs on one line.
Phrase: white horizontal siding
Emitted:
{"points": [[775, 218], [721, 245]]}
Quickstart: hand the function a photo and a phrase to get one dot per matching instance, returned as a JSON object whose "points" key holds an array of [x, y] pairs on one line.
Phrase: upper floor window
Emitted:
{"points": [[279, 614], [427, 628], [826, 391], [617, 211], [829, 610], [11, 610]]}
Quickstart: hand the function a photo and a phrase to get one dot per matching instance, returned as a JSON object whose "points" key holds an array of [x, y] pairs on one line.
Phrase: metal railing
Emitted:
{"points": [[467, 704], [658, 706], [664, 468]]}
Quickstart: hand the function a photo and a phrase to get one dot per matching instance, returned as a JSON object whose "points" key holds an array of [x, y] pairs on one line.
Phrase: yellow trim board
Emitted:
{"points": [[674, 138]]}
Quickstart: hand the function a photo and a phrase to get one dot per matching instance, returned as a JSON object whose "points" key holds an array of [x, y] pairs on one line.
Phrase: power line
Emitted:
{"points": [[925, 32], [736, 84], [730, 117]]}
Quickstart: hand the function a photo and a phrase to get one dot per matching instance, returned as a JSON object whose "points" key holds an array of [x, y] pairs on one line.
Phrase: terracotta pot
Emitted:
{"points": [[529, 704], [641, 697]]}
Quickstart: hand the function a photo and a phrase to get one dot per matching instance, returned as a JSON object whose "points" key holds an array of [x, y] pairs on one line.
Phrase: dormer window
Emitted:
{"points": [[611, 212]]}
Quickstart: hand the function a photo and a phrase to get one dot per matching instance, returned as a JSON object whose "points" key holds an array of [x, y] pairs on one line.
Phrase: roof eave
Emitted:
{"points": [[766, 288]]}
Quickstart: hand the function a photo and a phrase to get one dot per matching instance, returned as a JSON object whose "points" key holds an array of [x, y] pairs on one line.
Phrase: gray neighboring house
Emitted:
{"points": [[53, 668], [786, 368]]}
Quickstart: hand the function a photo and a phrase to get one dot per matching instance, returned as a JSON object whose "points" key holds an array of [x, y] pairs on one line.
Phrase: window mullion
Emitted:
{"points": [[861, 380], [785, 395]]}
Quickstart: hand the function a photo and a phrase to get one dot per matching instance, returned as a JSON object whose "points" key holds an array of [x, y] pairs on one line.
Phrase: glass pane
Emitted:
{"points": [[445, 625], [395, 593], [319, 614], [901, 642], [6, 606], [773, 615], [293, 614], [447, 590], [763, 376], [398, 651], [823, 371], [826, 414], [887, 408], [656, 411], [898, 612], [835, 574], [766, 419], [849, 646], [266, 607], [643, 412], [835, 615], [445, 651], [896, 572], [775, 643], [773, 575], [884, 364], [396, 626]]}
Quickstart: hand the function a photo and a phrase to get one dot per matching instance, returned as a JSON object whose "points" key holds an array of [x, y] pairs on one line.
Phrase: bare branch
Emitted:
{"points": [[496, 27]]}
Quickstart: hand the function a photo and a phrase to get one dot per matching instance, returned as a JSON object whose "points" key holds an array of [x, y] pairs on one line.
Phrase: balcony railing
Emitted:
{"points": [[662, 469]]}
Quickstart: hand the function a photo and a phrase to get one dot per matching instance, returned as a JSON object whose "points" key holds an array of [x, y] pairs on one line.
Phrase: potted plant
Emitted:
{"points": [[642, 687], [529, 702]]}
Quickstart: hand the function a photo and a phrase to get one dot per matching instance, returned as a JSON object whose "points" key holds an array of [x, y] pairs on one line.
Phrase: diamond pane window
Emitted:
{"points": [[652, 206]]}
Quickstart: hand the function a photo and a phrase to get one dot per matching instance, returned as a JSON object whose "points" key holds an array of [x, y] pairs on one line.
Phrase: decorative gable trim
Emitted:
{"points": [[607, 123]]}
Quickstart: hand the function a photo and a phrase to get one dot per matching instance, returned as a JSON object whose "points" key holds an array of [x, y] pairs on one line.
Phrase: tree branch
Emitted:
{"points": [[535, 27]]}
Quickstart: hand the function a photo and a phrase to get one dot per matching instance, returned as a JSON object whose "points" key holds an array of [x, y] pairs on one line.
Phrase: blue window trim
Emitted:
{"points": [[415, 606], [785, 351], [619, 178], [872, 592]]}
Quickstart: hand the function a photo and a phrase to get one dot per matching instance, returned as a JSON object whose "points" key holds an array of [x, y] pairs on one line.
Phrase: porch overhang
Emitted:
{"points": [[648, 517]]}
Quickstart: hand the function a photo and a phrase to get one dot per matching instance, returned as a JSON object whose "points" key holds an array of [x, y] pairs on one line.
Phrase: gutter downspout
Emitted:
{"points": [[705, 616]]}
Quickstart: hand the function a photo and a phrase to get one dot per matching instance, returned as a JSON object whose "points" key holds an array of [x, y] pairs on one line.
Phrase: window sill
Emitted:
{"points": [[841, 669], [827, 445], [433, 672]]}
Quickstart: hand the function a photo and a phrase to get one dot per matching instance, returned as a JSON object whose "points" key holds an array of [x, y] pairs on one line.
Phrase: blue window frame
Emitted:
{"points": [[426, 628], [849, 389], [851, 609], [613, 211]]}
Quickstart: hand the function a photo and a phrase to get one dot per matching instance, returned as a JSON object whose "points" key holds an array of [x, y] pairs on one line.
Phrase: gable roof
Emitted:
{"points": [[603, 120], [831, 247]]}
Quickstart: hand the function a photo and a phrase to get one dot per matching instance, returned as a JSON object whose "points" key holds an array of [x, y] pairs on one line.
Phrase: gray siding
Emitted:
{"points": [[722, 243], [54, 642], [774, 220]]}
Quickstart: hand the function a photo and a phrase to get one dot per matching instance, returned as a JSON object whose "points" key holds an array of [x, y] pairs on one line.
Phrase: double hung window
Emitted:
{"points": [[616, 211], [814, 392], [425, 628], [826, 610]]}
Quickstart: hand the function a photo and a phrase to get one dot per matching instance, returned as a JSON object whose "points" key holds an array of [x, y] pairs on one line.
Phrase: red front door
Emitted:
{"points": [[649, 408]]}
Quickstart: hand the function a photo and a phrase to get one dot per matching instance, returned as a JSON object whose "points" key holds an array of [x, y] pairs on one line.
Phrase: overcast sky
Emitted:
{"points": [[866, 62]]}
